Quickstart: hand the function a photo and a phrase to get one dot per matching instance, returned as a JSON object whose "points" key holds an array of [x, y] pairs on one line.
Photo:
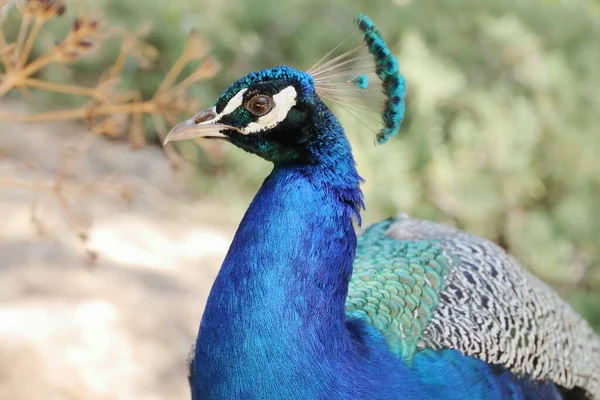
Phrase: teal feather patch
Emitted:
{"points": [[388, 72], [395, 286], [361, 81]]}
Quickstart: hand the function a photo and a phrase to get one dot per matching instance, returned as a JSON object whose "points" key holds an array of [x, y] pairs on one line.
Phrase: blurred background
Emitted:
{"points": [[109, 243]]}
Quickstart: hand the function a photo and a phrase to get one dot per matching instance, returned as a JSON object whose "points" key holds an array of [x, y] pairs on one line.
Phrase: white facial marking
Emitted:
{"points": [[234, 103], [284, 101]]}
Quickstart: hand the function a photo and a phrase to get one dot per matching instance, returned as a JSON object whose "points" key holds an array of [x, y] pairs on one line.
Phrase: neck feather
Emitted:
{"points": [[291, 258], [282, 287]]}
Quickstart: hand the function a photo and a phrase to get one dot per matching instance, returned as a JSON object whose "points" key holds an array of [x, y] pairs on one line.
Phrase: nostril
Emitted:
{"points": [[204, 116]]}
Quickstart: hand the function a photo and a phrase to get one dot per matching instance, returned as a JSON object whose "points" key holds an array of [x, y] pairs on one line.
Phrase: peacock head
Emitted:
{"points": [[279, 114], [266, 113]]}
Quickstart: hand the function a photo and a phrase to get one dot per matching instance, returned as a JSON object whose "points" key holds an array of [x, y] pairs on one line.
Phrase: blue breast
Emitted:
{"points": [[275, 325]]}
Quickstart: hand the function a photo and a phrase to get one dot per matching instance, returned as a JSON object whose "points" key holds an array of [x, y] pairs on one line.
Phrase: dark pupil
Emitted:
{"points": [[260, 104]]}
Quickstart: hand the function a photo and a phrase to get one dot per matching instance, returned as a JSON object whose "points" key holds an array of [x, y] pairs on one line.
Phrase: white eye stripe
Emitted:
{"points": [[284, 101], [234, 103]]}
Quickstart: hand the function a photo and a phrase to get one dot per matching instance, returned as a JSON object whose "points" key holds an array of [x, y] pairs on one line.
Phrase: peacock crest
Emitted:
{"points": [[364, 79]]}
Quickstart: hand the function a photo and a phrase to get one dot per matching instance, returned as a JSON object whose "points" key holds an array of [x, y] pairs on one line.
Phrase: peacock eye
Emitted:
{"points": [[259, 105]]}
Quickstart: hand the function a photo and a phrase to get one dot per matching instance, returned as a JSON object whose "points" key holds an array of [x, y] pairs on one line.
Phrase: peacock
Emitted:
{"points": [[303, 308]]}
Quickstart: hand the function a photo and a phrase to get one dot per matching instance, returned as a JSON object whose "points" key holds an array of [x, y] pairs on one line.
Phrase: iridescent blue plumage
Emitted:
{"points": [[301, 309]]}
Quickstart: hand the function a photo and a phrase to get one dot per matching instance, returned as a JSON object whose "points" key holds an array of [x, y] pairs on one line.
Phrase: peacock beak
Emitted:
{"points": [[204, 124]]}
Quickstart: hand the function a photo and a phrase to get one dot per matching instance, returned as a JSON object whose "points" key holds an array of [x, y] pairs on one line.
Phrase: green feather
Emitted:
{"points": [[395, 286]]}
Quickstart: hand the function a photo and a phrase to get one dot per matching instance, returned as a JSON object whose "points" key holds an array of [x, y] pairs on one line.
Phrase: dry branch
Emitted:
{"points": [[110, 111], [168, 103]]}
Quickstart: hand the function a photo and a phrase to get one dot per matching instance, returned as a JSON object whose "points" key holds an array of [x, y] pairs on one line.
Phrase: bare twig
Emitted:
{"points": [[169, 101], [109, 111]]}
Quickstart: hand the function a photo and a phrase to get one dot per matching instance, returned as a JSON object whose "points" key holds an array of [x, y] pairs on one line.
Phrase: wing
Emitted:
{"points": [[424, 285]]}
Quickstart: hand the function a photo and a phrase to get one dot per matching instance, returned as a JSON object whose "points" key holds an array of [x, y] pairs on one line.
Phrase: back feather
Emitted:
{"points": [[427, 286]]}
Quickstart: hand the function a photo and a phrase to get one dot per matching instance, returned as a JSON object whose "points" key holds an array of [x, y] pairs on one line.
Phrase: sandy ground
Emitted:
{"points": [[117, 328]]}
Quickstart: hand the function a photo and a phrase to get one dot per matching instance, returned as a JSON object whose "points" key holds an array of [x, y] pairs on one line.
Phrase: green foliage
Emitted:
{"points": [[501, 136]]}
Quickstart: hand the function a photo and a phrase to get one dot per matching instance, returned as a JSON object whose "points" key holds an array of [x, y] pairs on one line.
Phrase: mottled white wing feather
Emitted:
{"points": [[493, 309]]}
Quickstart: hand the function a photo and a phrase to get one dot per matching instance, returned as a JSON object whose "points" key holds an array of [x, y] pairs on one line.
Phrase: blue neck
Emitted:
{"points": [[282, 287], [267, 273], [274, 324], [285, 279], [291, 259]]}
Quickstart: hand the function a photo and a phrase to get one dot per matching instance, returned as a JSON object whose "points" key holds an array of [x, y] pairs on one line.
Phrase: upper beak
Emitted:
{"points": [[203, 124]]}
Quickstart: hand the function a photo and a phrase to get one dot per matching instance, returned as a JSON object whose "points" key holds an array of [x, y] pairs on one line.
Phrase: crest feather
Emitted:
{"points": [[362, 79]]}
